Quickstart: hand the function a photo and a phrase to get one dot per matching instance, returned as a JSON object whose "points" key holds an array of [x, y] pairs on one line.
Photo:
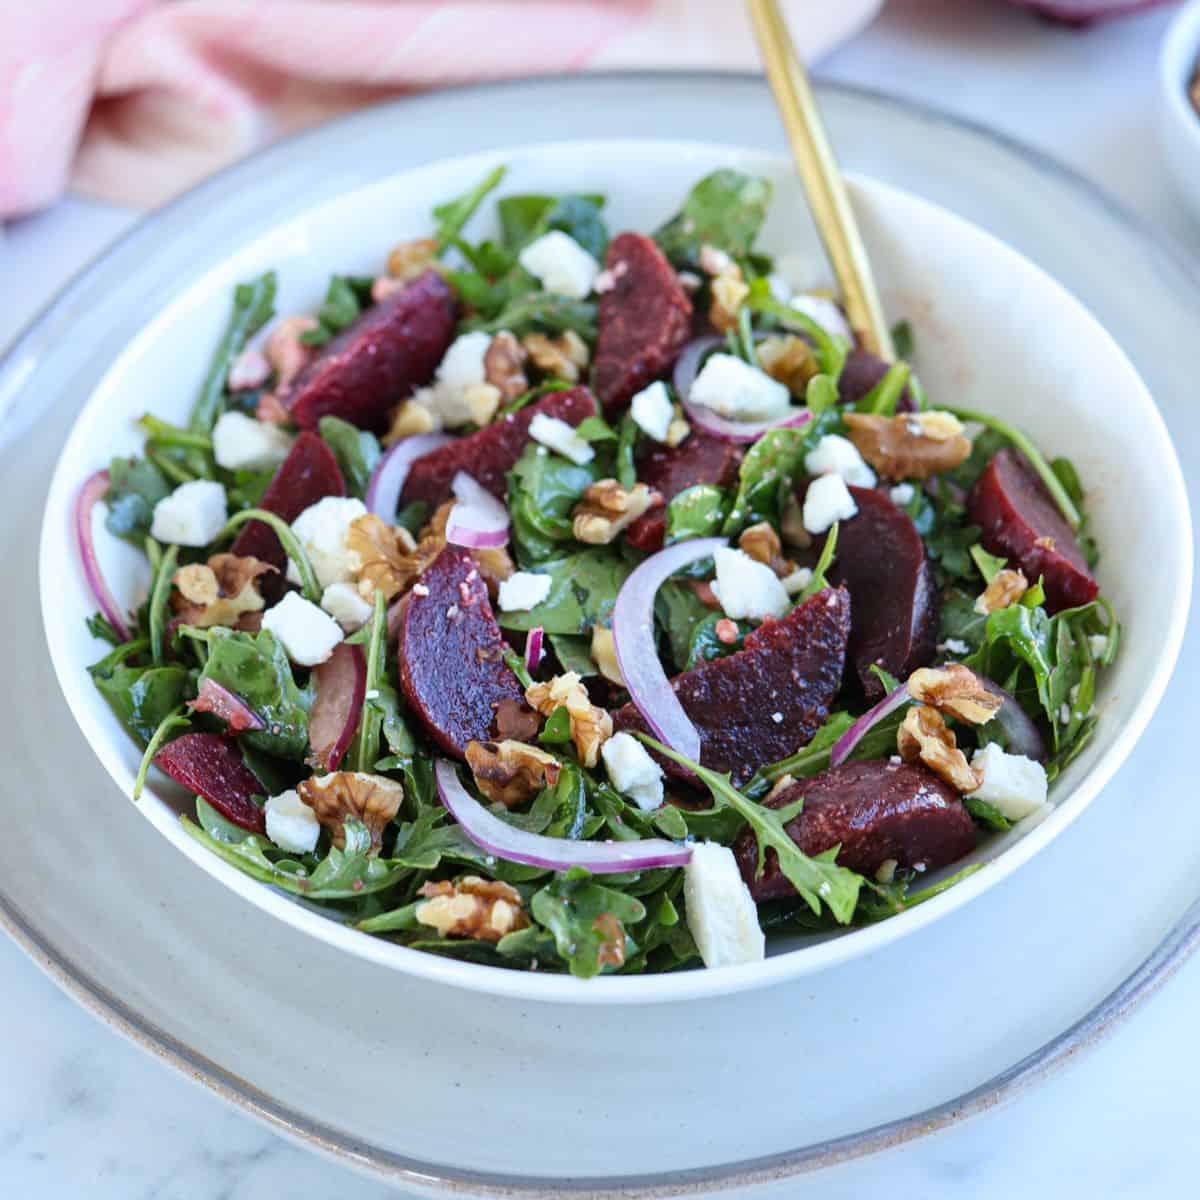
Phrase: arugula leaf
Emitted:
{"points": [[696, 512], [574, 653], [725, 209], [893, 898], [902, 339], [705, 645], [542, 491], [345, 299], [452, 216], [588, 921], [627, 436], [381, 703], [989, 565], [819, 582], [767, 475], [523, 219], [583, 590], [986, 815], [882, 398], [534, 311], [356, 451], [135, 486], [142, 697], [679, 612]]}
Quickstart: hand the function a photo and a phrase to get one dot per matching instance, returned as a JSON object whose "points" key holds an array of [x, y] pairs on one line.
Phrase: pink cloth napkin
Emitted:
{"points": [[133, 100]]}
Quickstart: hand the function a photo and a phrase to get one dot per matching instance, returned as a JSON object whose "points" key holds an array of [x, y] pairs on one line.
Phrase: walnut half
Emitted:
{"points": [[483, 909], [591, 726], [509, 772], [909, 445], [219, 592], [563, 357], [343, 796], [1007, 587], [924, 737], [607, 508], [956, 690]]}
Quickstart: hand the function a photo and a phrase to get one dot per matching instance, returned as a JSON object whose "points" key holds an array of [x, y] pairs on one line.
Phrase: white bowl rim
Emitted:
{"points": [[698, 983], [1179, 55]]}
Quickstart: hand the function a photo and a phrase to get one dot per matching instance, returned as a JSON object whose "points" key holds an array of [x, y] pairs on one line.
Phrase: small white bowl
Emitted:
{"points": [[1178, 120], [992, 331]]}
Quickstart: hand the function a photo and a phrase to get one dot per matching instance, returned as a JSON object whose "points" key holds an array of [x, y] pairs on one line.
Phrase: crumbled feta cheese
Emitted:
{"points": [[461, 369], [322, 529], [747, 589], [732, 388], [797, 581], [1064, 714], [826, 501], [523, 590], [902, 494], [721, 914], [632, 771], [825, 313], [1097, 644], [560, 437], [777, 717], [1013, 785], [306, 633], [652, 411], [343, 603], [291, 824], [192, 515], [953, 646], [837, 455], [561, 264], [240, 443]]}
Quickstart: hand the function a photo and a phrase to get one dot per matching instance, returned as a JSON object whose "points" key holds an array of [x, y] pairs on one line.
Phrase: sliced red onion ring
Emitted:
{"points": [[637, 656], [228, 706], [1083, 12], [94, 489], [1024, 737], [533, 648], [341, 688], [478, 520], [387, 480], [554, 854], [687, 365], [844, 746], [743, 431]]}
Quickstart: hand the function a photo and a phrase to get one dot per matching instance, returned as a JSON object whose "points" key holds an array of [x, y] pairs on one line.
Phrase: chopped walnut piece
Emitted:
{"points": [[911, 445], [286, 352], [516, 720], [409, 417], [955, 690], [788, 359], [409, 260], [1045, 543], [484, 909], [924, 737], [384, 286], [386, 554], [343, 796], [611, 952], [729, 292], [219, 592], [504, 366], [1007, 587], [607, 508], [678, 429], [604, 655], [791, 523], [510, 773], [591, 727], [762, 544], [563, 357], [780, 785], [482, 401]]}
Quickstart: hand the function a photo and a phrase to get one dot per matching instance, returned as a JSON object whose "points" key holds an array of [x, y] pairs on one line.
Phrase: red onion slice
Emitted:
{"points": [[1024, 737], [843, 747], [228, 706], [497, 837], [1083, 12], [533, 648], [687, 365], [478, 520], [94, 489], [637, 656], [743, 431], [387, 480], [341, 688]]}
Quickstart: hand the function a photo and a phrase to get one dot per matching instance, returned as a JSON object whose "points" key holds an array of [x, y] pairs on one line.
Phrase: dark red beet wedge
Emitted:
{"points": [[644, 320], [669, 471], [211, 766], [452, 667], [1019, 521], [875, 811], [767, 700], [490, 454], [391, 349], [863, 370]]}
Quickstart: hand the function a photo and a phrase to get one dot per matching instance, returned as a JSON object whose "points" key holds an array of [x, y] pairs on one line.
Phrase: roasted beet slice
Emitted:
{"points": [[490, 454], [644, 320], [378, 360], [308, 474], [452, 666], [668, 471], [211, 766], [1019, 521], [767, 700], [875, 811], [881, 560], [863, 370]]}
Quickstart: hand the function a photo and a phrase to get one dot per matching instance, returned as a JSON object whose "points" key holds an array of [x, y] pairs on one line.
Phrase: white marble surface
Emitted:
{"points": [[84, 1113]]}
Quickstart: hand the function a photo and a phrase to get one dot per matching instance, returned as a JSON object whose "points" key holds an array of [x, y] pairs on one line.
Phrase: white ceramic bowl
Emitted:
{"points": [[1178, 121], [992, 331]]}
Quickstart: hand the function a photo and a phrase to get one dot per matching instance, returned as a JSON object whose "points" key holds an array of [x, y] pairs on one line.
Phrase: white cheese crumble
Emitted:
{"points": [[561, 438], [826, 501], [322, 529], [1097, 644], [560, 264], [797, 581], [747, 590], [343, 603], [632, 771], [461, 369], [1015, 786], [307, 633], [652, 411], [732, 388], [721, 914], [192, 515], [240, 443], [523, 590], [953, 646], [837, 455], [902, 494], [291, 824]]}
